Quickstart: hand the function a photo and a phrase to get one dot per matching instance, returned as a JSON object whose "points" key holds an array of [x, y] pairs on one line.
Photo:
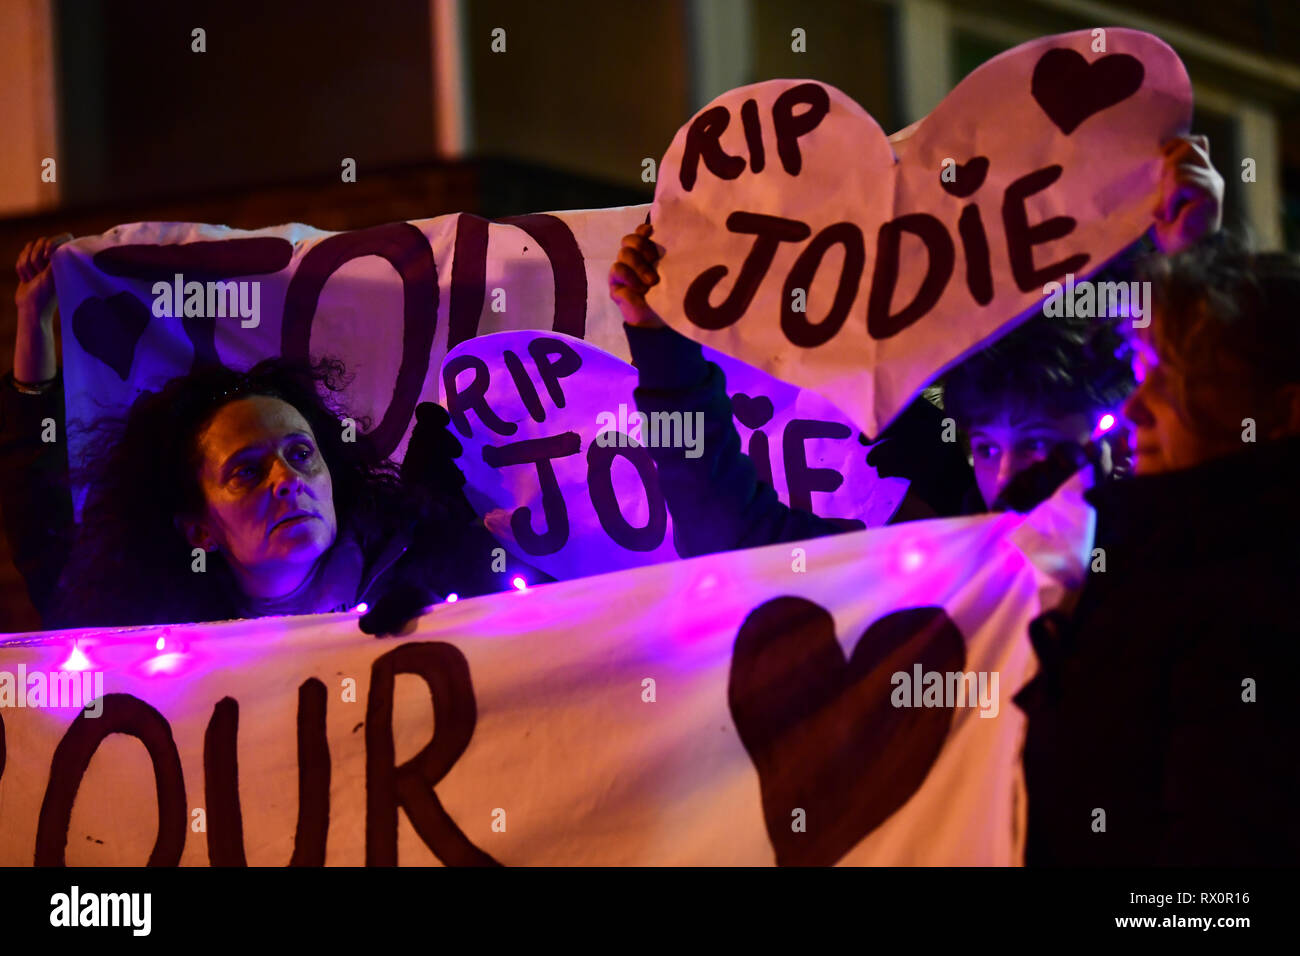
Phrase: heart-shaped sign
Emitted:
{"points": [[561, 468], [798, 240], [823, 733]]}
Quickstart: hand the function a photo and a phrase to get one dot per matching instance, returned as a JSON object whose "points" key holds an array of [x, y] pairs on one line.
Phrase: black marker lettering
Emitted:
{"points": [[704, 141], [942, 255], [790, 126], [770, 231], [459, 400], [794, 324], [1022, 237], [539, 452]]}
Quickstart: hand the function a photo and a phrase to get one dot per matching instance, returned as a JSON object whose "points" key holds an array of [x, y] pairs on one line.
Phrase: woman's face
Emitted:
{"points": [[270, 501], [1163, 436]]}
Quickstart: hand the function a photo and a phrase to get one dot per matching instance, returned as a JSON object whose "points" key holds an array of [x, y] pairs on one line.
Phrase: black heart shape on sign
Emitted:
{"points": [[823, 733], [1070, 89], [109, 329], [752, 412], [970, 177]]}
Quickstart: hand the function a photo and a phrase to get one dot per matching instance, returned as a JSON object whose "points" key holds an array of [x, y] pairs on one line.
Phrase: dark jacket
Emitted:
{"points": [[718, 501], [1138, 706], [413, 556], [35, 502]]}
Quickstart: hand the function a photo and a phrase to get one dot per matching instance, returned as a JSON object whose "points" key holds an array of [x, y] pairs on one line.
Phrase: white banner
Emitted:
{"points": [[846, 700], [143, 303]]}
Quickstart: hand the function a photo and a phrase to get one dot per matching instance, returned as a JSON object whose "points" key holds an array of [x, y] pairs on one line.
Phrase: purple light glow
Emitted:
{"points": [[520, 584], [362, 608], [163, 664], [1104, 424], [453, 597]]}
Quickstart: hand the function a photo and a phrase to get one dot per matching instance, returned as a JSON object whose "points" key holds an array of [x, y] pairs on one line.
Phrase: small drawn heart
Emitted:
{"points": [[109, 329], [1070, 89], [752, 412], [969, 177], [822, 731]]}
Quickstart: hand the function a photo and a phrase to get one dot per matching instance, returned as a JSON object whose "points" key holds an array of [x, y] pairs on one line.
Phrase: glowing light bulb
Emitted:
{"points": [[453, 597], [520, 584], [160, 643], [362, 608], [77, 661], [1104, 424]]}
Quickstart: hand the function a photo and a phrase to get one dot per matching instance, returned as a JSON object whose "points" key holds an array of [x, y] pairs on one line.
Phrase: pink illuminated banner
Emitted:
{"points": [[843, 700]]}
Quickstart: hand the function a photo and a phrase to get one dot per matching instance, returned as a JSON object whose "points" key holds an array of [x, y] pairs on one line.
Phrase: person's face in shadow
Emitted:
{"points": [[269, 497], [1006, 443], [1168, 435]]}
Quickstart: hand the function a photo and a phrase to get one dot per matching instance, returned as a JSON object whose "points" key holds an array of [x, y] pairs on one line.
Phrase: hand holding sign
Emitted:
{"points": [[801, 244], [1191, 194], [632, 275]]}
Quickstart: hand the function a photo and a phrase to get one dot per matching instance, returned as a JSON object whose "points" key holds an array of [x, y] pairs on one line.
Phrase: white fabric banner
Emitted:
{"points": [[390, 301], [845, 700]]}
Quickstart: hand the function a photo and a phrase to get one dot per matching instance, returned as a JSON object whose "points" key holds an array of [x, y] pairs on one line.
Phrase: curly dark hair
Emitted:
{"points": [[129, 563], [1226, 320], [1058, 365]]}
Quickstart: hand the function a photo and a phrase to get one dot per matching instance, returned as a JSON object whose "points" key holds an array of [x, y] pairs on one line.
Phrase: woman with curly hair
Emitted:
{"points": [[1162, 729], [227, 494]]}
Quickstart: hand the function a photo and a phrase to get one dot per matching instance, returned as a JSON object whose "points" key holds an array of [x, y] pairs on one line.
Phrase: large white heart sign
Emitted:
{"points": [[799, 241]]}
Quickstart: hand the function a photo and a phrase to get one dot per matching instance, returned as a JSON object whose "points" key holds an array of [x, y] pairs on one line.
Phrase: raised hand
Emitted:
{"points": [[35, 295], [1191, 194], [632, 275], [34, 351]]}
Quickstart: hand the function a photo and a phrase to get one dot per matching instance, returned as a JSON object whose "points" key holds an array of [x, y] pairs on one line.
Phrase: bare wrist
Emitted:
{"points": [[35, 359], [36, 321]]}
